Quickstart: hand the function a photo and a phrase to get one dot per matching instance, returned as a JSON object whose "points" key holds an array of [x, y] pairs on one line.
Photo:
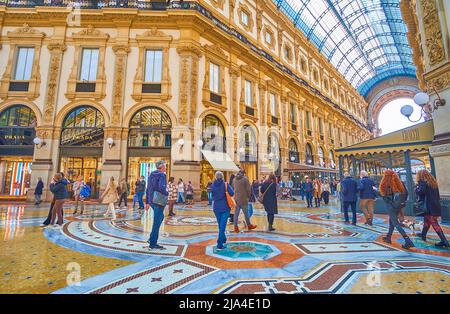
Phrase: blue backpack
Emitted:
{"points": [[85, 191]]}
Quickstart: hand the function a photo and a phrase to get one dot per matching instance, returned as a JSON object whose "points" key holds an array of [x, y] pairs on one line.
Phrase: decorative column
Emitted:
{"points": [[45, 157], [409, 211], [113, 159], [187, 158], [234, 74]]}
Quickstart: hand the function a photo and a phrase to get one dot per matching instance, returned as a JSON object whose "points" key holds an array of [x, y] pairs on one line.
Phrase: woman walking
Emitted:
{"points": [[428, 192], [38, 192], [109, 197], [221, 209], [124, 191], [173, 192], [269, 194], [180, 191], [326, 190], [59, 190], [394, 194], [317, 192]]}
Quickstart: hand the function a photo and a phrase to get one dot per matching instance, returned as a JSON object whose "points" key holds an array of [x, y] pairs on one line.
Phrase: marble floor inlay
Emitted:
{"points": [[312, 250]]}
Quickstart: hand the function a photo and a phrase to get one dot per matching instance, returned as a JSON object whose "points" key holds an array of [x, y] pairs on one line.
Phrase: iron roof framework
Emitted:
{"points": [[364, 39]]}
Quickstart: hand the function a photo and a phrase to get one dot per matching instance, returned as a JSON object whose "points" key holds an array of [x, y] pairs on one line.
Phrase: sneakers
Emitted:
{"points": [[408, 244], [43, 225], [387, 239], [442, 244], [157, 247], [221, 248]]}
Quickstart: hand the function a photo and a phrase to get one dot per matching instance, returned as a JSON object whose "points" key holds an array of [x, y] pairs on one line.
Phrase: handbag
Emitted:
{"points": [[159, 199], [231, 202], [261, 196]]}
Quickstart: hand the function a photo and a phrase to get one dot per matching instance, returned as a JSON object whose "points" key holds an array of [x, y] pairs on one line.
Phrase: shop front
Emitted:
{"points": [[248, 152], [81, 147], [149, 141], [17, 131], [214, 155]]}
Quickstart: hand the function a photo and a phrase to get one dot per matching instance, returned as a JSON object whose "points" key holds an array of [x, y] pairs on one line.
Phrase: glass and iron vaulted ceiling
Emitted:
{"points": [[364, 39]]}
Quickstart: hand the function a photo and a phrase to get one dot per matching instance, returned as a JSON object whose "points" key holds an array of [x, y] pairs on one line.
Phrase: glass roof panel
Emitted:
{"points": [[364, 39]]}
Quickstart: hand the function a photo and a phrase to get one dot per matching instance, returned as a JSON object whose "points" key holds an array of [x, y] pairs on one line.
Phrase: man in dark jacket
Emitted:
{"points": [[157, 182], [367, 197], [349, 189], [140, 191], [309, 188], [38, 192], [242, 194]]}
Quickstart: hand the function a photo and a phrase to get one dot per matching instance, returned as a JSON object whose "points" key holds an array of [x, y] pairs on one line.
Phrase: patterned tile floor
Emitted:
{"points": [[312, 251]]}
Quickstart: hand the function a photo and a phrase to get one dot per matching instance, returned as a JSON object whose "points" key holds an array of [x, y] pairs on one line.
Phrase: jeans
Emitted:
{"points": [[394, 222], [123, 196], [222, 219], [140, 196], [309, 198], [302, 194], [158, 218], [180, 197], [210, 199], [236, 214], [353, 206], [326, 197]]}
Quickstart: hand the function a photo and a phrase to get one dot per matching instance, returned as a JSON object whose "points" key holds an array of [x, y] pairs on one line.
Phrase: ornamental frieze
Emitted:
{"points": [[433, 34]]}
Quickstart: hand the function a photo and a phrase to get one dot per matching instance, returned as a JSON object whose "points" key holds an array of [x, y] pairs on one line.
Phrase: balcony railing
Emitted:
{"points": [[92, 4]]}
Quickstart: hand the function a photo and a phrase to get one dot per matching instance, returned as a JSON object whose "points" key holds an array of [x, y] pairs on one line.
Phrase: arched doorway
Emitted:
{"points": [[149, 140], [309, 155], [17, 131], [213, 137], [81, 146], [248, 152]]}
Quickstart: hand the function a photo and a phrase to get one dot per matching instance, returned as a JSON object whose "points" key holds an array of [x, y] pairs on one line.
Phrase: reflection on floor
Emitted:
{"points": [[312, 250]]}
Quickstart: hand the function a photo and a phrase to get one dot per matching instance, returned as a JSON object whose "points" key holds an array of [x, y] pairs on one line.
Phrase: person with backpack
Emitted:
{"points": [[124, 191], [367, 197], [427, 191], [221, 192], [269, 199], [394, 194], [85, 193]]}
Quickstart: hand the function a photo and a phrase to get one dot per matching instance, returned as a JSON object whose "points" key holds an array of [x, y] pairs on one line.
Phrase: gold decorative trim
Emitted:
{"points": [[243, 8], [432, 30], [215, 54]]}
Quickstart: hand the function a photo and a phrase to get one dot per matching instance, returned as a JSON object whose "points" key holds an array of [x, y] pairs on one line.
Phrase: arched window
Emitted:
{"points": [[83, 127], [213, 133], [248, 147], [17, 125], [332, 162], [321, 157], [309, 155], [150, 127], [293, 152]]}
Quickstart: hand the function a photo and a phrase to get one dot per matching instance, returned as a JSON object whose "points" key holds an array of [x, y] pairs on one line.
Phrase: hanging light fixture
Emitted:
{"points": [[423, 100]]}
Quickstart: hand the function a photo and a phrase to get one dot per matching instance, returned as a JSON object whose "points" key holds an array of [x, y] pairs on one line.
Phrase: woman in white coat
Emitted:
{"points": [[110, 196]]}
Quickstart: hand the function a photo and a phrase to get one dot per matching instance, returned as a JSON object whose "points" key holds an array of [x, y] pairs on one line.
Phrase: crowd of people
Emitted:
{"points": [[229, 198]]}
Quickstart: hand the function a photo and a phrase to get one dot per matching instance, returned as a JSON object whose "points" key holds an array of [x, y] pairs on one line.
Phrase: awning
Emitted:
{"points": [[417, 137], [220, 161], [293, 167]]}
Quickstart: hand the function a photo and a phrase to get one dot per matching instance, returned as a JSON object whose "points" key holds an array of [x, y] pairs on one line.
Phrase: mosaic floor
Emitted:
{"points": [[311, 251]]}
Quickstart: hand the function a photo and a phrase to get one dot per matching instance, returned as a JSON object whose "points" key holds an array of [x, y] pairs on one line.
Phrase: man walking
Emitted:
{"points": [[157, 183], [309, 188], [349, 188], [140, 191], [242, 194]]}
